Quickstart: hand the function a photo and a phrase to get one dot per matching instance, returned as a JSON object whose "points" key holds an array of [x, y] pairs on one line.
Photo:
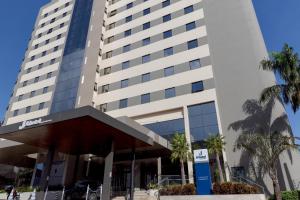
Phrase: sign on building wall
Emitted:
{"points": [[202, 171]]}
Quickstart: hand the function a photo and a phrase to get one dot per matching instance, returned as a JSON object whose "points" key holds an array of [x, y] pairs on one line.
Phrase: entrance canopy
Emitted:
{"points": [[84, 131]]}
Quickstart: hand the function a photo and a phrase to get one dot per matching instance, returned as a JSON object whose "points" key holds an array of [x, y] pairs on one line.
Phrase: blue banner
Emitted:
{"points": [[202, 172]]}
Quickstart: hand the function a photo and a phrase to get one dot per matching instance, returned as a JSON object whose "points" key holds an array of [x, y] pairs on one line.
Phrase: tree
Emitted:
{"points": [[286, 65], [215, 146], [181, 152], [267, 149]]}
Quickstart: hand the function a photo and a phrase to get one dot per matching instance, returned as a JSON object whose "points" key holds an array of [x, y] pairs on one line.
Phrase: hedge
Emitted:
{"points": [[188, 189], [234, 188], [289, 195]]}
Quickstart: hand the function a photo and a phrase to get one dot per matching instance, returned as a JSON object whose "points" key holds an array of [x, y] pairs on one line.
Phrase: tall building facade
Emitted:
{"points": [[173, 66]]}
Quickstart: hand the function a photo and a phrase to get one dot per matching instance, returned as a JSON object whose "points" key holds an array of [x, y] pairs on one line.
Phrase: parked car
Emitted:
{"points": [[78, 191]]}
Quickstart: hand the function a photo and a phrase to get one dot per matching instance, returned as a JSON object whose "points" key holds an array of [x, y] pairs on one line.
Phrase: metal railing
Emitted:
{"points": [[248, 181], [167, 180]]}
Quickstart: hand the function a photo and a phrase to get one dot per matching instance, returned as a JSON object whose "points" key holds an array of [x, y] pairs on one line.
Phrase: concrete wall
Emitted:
{"points": [[236, 48]]}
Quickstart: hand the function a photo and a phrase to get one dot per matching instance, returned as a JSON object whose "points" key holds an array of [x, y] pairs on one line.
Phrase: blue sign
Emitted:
{"points": [[202, 171]]}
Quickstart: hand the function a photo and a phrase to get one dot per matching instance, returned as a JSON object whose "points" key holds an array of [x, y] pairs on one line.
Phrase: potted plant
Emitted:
{"points": [[152, 189]]}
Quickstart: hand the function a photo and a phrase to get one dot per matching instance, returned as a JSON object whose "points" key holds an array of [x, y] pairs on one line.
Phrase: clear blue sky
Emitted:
{"points": [[279, 22]]}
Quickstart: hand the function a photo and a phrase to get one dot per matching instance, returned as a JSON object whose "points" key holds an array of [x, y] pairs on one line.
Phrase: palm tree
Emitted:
{"points": [[215, 146], [286, 65], [267, 149], [181, 152]]}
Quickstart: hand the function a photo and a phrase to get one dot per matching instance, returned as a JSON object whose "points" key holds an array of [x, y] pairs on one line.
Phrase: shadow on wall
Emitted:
{"points": [[260, 120]]}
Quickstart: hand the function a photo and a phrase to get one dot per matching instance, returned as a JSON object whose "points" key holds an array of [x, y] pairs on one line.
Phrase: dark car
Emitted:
{"points": [[78, 191]]}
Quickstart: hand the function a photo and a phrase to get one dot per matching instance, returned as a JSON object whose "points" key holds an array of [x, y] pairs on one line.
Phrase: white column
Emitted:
{"points": [[188, 139]]}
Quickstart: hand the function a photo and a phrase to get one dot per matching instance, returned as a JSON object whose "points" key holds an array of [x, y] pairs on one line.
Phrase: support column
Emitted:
{"points": [[109, 159], [47, 168], [132, 175], [188, 139], [158, 170]]}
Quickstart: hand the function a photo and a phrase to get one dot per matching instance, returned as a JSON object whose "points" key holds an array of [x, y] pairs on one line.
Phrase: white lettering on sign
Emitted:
{"points": [[32, 123], [201, 156]]}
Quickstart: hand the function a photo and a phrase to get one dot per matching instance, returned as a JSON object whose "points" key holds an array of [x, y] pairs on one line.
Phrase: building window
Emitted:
{"points": [[146, 77], [49, 75], [28, 70], [192, 44], [42, 25], [167, 18], [16, 112], [128, 6], [188, 9], [146, 58], [124, 83], [20, 98], [28, 109], [165, 3], [40, 65], [146, 41], [44, 53], [127, 33], [146, 11], [61, 25], [112, 25], [107, 70], [46, 15], [36, 79], [168, 51], [146, 25], [36, 46], [170, 92], [167, 34], [39, 35], [25, 83], [128, 19], [58, 37], [45, 90], [55, 10], [105, 88], [190, 26], [32, 58], [41, 106], [108, 54], [110, 39], [52, 20], [197, 87], [103, 107], [52, 61], [55, 48], [169, 71], [65, 14], [123, 103], [145, 98], [112, 13], [50, 31], [32, 93], [125, 65], [126, 48], [47, 41], [195, 64], [67, 4]]}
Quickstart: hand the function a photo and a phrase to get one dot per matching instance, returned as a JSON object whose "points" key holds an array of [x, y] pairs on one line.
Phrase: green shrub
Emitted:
{"points": [[188, 189], [289, 195], [234, 188]]}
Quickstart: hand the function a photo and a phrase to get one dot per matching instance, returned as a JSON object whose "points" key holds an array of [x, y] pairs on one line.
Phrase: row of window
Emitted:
{"points": [[147, 58], [44, 53], [37, 79], [29, 108], [147, 41], [50, 30], [147, 25], [47, 41], [145, 98], [32, 94], [130, 5], [40, 66], [56, 9], [169, 71], [54, 19]]}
